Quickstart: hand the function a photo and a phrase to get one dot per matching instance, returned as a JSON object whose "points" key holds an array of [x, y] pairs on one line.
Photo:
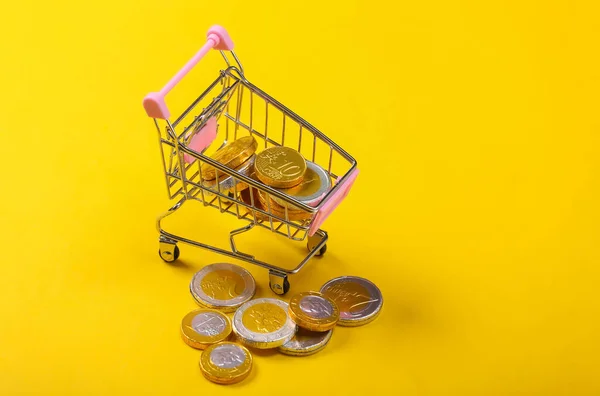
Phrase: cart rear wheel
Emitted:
{"points": [[320, 252], [169, 255]]}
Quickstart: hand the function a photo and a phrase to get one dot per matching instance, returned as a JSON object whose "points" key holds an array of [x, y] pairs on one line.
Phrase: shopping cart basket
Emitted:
{"points": [[232, 107]]}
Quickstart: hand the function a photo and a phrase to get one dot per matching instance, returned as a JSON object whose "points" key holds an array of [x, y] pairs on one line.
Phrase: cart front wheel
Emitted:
{"points": [[278, 283], [320, 252], [169, 253]]}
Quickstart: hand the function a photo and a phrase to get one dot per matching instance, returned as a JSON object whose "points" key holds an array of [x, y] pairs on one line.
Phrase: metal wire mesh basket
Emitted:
{"points": [[232, 107]]}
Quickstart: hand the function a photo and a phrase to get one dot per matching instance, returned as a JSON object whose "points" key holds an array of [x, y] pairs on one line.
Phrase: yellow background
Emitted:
{"points": [[475, 125]]}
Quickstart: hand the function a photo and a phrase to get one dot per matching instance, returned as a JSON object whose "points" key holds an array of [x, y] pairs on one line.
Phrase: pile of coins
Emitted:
{"points": [[301, 327], [279, 167]]}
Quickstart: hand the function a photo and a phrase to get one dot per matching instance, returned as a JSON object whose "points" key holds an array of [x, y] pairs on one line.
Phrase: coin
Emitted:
{"points": [[358, 299], [253, 196], [231, 155], [226, 363], [314, 311], [227, 182], [271, 206], [313, 187], [222, 286], [263, 323], [204, 327], [306, 342], [280, 167]]}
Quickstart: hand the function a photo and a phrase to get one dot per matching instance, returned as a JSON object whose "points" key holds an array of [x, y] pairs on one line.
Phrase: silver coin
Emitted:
{"points": [[228, 356], [222, 286], [312, 196], [209, 324], [358, 299], [263, 323], [226, 182], [306, 342]]}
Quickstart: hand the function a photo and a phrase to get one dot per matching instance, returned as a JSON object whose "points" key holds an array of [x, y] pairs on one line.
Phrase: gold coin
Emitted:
{"points": [[306, 342], [275, 209], [250, 197], [314, 311], [229, 183], [313, 187], [294, 213], [231, 155], [204, 327], [226, 363], [280, 167]]}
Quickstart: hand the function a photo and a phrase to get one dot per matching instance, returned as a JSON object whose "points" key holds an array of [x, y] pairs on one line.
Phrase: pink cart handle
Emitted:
{"points": [[333, 202], [154, 102]]}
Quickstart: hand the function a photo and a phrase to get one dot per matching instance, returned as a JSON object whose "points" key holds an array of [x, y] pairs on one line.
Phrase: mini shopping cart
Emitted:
{"points": [[232, 107]]}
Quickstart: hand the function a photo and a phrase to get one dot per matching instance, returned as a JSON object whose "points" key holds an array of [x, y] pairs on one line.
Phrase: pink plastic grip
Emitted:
{"points": [[333, 202], [154, 102], [202, 139]]}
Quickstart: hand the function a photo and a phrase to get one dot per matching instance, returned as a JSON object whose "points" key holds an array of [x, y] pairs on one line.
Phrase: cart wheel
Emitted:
{"points": [[320, 252], [169, 255], [278, 283]]}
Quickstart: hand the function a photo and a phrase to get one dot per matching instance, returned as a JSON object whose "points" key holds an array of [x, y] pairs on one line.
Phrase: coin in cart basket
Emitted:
{"points": [[250, 198], [254, 197], [227, 183], [271, 206], [312, 188], [313, 311], [358, 299], [280, 167], [222, 286], [231, 155], [263, 323], [306, 342], [226, 363], [204, 327]]}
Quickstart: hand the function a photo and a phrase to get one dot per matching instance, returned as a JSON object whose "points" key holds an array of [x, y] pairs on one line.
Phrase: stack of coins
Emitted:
{"points": [[285, 169], [301, 328], [316, 315], [237, 155]]}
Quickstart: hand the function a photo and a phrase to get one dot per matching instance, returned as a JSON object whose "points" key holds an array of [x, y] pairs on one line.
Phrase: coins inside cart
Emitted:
{"points": [[313, 187], [263, 323], [280, 167], [358, 299], [271, 206], [252, 197], [204, 327], [314, 311], [227, 182], [231, 155], [222, 286], [306, 342], [226, 363]]}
